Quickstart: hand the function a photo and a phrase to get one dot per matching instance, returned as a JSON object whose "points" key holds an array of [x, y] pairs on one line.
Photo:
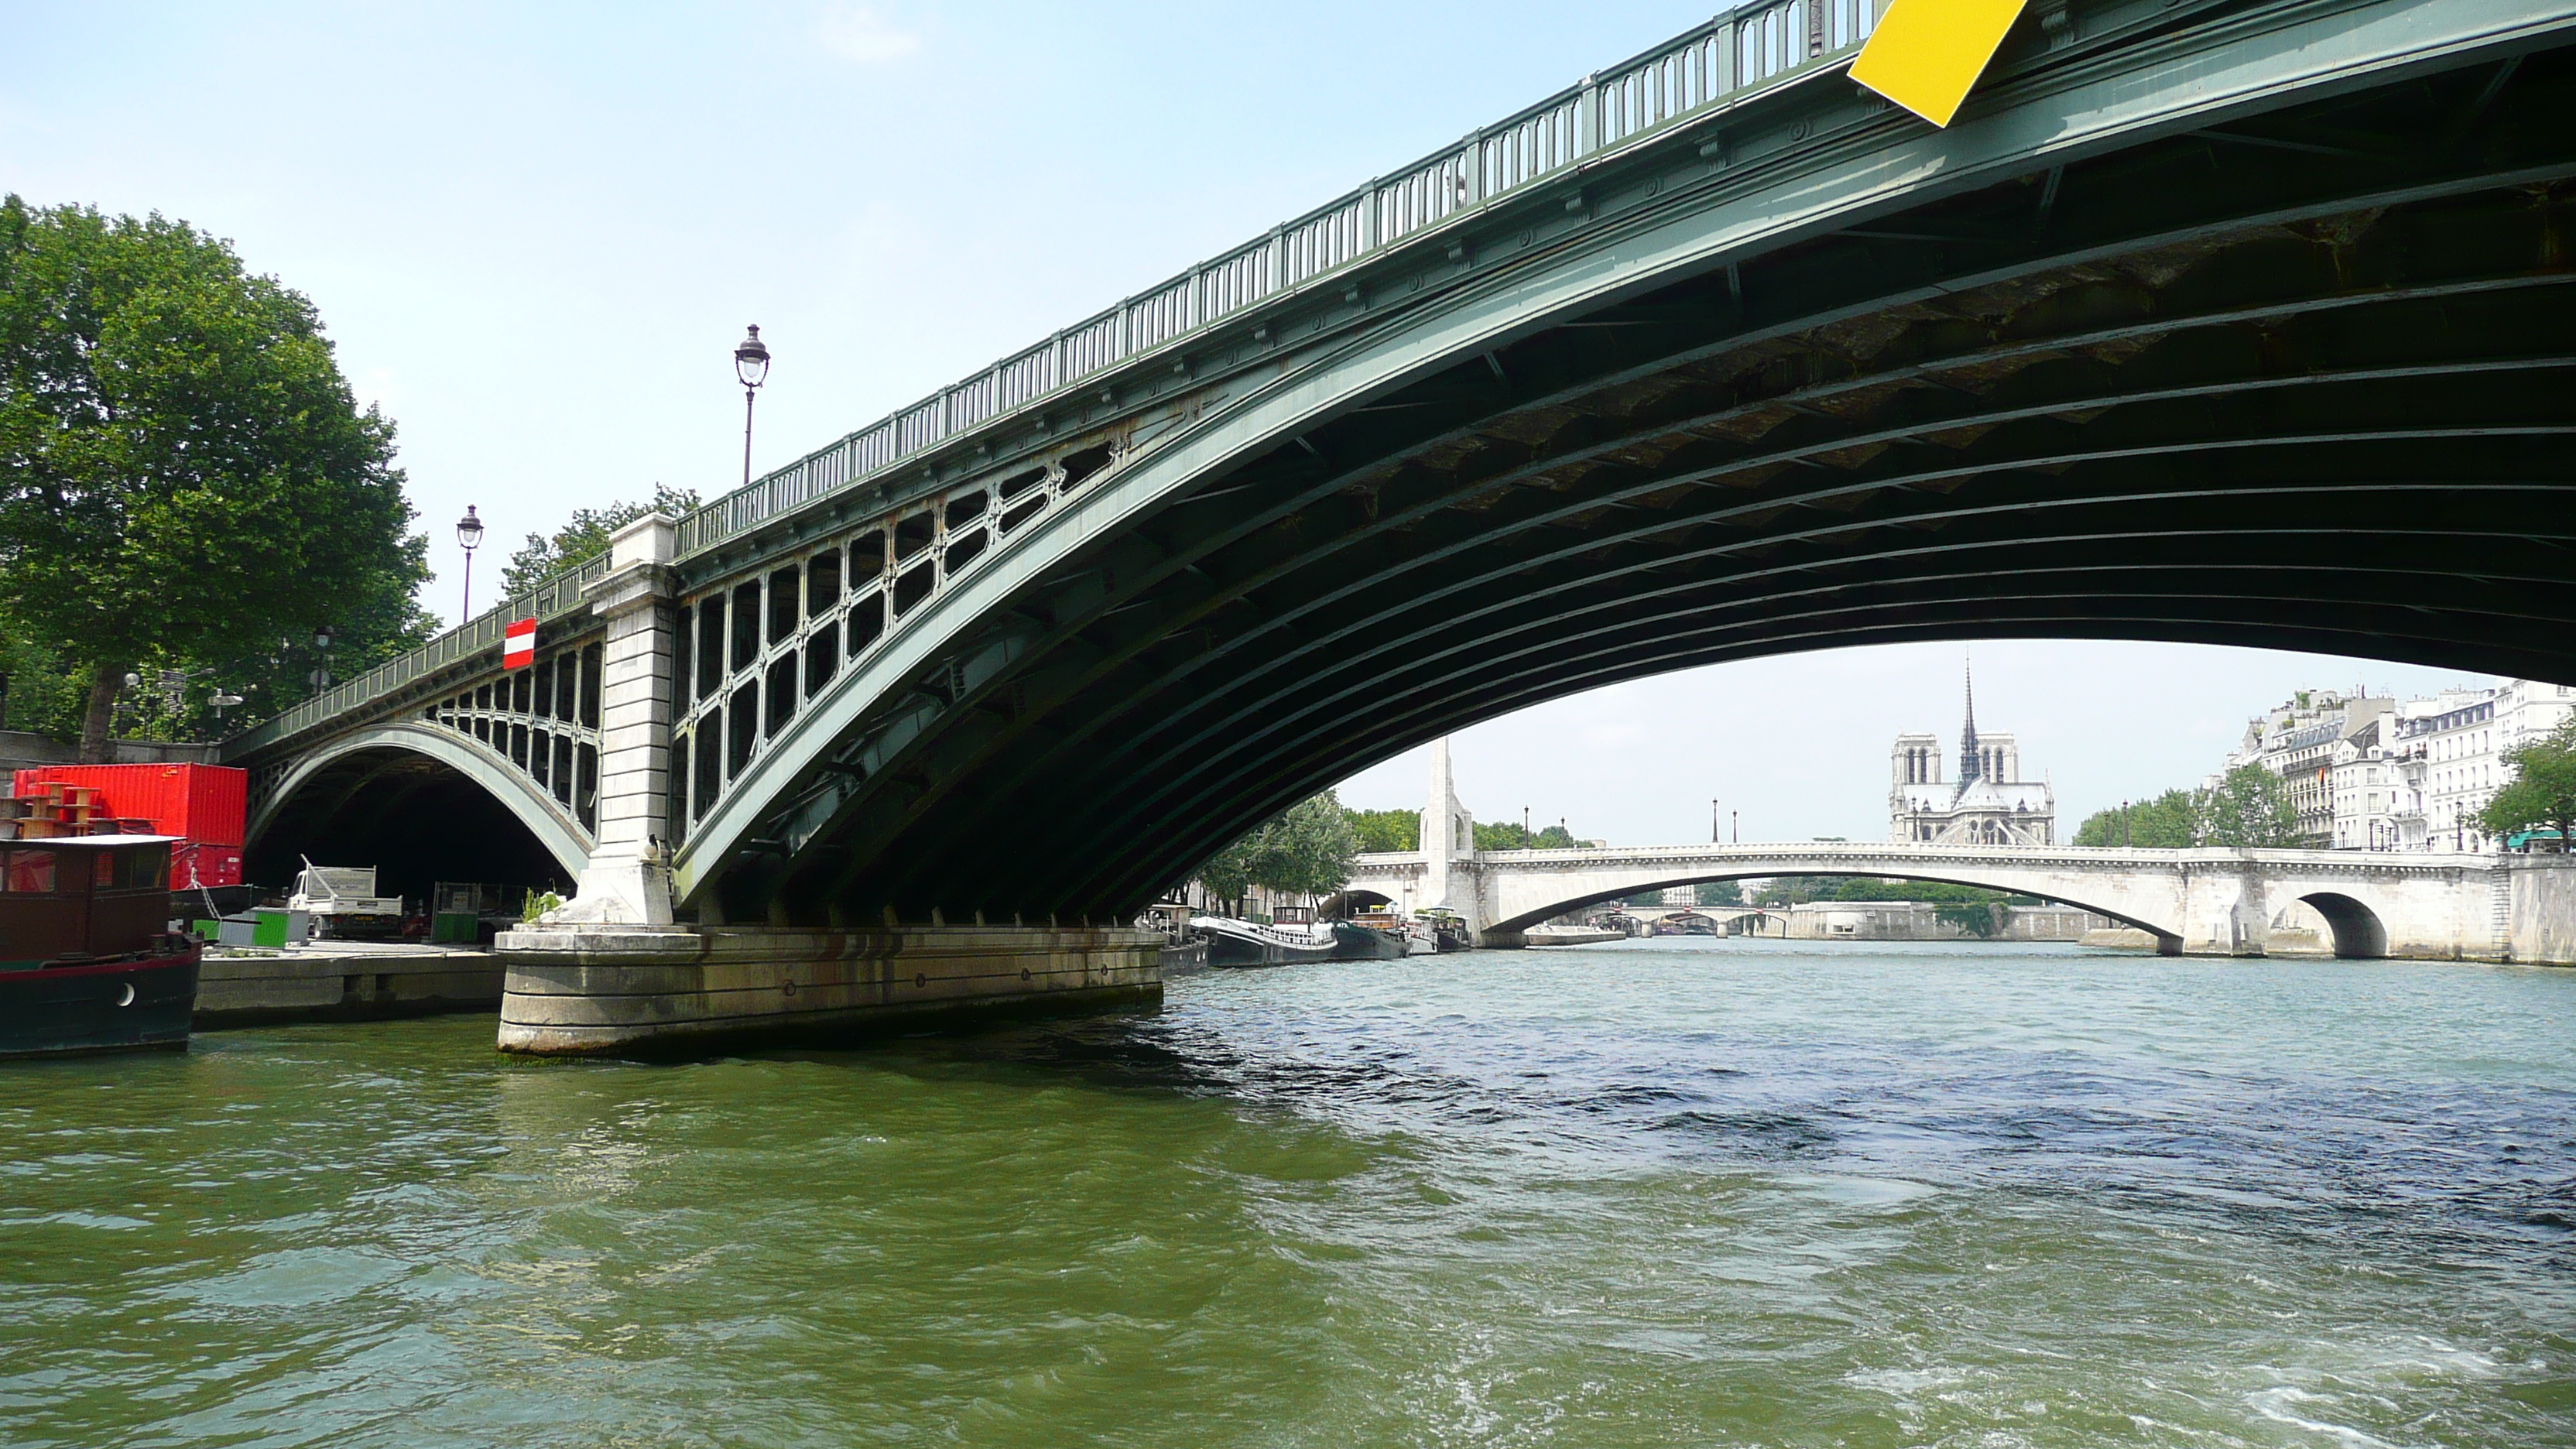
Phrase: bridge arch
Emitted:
{"points": [[428, 798], [2081, 367], [1523, 913], [2359, 933]]}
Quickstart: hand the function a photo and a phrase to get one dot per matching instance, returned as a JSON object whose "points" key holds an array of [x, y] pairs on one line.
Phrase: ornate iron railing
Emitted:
{"points": [[1748, 47], [551, 600]]}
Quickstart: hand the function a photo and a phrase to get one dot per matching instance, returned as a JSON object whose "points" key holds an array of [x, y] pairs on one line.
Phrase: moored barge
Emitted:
{"points": [[87, 963]]}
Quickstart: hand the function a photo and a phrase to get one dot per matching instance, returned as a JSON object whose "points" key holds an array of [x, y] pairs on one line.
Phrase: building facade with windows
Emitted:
{"points": [[2448, 757], [2304, 740]]}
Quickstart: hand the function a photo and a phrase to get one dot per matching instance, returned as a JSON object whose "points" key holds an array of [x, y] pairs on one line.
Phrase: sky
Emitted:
{"points": [[536, 232]]}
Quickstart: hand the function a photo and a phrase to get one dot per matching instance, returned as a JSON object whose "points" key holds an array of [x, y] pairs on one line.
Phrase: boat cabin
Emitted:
{"points": [[88, 897]]}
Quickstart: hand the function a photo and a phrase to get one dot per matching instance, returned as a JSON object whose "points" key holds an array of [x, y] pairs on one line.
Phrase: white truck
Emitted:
{"points": [[343, 902]]}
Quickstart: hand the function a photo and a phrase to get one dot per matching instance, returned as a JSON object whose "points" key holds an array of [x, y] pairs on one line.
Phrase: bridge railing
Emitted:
{"points": [[1750, 46], [553, 599]]}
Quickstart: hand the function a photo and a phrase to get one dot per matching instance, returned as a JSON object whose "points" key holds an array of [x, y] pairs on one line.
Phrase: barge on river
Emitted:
{"points": [[87, 963]]}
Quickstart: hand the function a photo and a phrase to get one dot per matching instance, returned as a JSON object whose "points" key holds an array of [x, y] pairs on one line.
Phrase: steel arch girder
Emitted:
{"points": [[2315, 56], [562, 837]]}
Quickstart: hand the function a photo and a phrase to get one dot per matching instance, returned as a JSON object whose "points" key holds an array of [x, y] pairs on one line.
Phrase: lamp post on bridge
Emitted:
{"points": [[751, 365], [469, 537], [321, 675]]}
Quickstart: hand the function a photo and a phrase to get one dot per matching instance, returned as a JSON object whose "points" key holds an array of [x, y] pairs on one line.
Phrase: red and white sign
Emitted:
{"points": [[519, 644]]}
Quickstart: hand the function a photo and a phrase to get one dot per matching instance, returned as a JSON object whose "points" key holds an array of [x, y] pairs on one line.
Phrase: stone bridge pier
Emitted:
{"points": [[614, 970]]}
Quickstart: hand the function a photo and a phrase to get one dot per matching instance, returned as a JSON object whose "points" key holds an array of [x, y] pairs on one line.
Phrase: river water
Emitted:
{"points": [[1652, 1193]]}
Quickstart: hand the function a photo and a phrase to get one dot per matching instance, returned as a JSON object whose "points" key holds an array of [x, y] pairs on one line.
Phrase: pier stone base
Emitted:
{"points": [[597, 990]]}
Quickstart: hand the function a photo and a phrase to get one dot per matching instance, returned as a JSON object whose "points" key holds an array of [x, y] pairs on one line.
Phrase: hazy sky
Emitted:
{"points": [[535, 233]]}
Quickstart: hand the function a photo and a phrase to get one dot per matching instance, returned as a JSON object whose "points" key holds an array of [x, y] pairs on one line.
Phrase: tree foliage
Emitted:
{"points": [[2250, 807], [1308, 849], [585, 537], [1792, 890], [185, 477], [1387, 829], [2542, 791], [1512, 835], [1402, 830], [2171, 821], [1719, 893]]}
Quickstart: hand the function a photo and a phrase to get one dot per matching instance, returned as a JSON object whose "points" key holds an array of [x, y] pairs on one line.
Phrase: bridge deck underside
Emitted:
{"points": [[2302, 381]]}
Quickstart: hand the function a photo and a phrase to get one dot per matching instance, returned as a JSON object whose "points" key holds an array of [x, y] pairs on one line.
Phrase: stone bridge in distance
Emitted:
{"points": [[2213, 901], [2241, 321]]}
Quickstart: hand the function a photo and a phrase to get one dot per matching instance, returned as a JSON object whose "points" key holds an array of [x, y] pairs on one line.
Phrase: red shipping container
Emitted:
{"points": [[201, 803], [192, 866]]}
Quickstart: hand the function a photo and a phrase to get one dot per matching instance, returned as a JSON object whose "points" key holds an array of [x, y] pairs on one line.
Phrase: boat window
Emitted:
{"points": [[134, 870], [29, 870], [105, 872]]}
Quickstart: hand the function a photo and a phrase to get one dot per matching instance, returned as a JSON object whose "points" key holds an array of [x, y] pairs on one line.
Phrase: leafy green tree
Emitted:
{"points": [[1512, 835], [2171, 821], [2542, 791], [1227, 875], [184, 472], [2250, 807], [1387, 829], [585, 537], [1790, 890], [1308, 849], [1981, 919], [1720, 893]]}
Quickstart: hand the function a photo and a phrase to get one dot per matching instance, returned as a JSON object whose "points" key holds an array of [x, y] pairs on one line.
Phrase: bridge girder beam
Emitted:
{"points": [[1998, 415]]}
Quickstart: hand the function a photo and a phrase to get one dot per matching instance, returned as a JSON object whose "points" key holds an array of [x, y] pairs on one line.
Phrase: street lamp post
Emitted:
{"points": [[751, 365], [322, 644], [469, 536]]}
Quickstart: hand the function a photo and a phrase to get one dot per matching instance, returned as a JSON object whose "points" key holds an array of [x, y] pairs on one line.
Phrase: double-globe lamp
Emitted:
{"points": [[751, 365], [469, 536]]}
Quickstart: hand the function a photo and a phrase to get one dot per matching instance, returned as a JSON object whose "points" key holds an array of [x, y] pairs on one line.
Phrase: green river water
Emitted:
{"points": [[1653, 1193]]}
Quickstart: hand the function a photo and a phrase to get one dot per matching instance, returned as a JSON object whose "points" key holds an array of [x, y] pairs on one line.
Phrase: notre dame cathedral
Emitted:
{"points": [[1988, 804]]}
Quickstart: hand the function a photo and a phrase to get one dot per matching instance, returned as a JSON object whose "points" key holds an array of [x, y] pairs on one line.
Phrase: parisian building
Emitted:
{"points": [[2304, 740], [2448, 757], [2376, 773]]}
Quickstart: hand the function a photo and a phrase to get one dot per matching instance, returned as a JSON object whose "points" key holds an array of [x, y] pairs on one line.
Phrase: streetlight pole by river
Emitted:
{"points": [[751, 365]]}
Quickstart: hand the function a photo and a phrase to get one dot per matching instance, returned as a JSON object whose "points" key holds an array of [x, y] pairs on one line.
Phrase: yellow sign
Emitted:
{"points": [[1926, 53]]}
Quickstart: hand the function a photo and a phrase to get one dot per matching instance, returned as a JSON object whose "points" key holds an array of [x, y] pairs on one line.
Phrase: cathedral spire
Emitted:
{"points": [[1971, 760]]}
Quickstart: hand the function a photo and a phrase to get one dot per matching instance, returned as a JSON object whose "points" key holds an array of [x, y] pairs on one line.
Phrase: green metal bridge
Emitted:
{"points": [[2240, 321]]}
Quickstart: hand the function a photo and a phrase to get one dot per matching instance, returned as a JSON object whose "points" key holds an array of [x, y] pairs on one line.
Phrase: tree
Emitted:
{"points": [[1512, 835], [2542, 791], [1720, 893], [2250, 807], [1308, 849], [2171, 821], [1981, 919], [184, 473], [585, 537], [1387, 829]]}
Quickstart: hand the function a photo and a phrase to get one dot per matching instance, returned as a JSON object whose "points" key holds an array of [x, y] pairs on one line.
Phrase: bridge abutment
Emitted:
{"points": [[592, 991]]}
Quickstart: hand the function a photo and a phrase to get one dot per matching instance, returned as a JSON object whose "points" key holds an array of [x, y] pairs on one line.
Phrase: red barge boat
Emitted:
{"points": [[87, 962]]}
